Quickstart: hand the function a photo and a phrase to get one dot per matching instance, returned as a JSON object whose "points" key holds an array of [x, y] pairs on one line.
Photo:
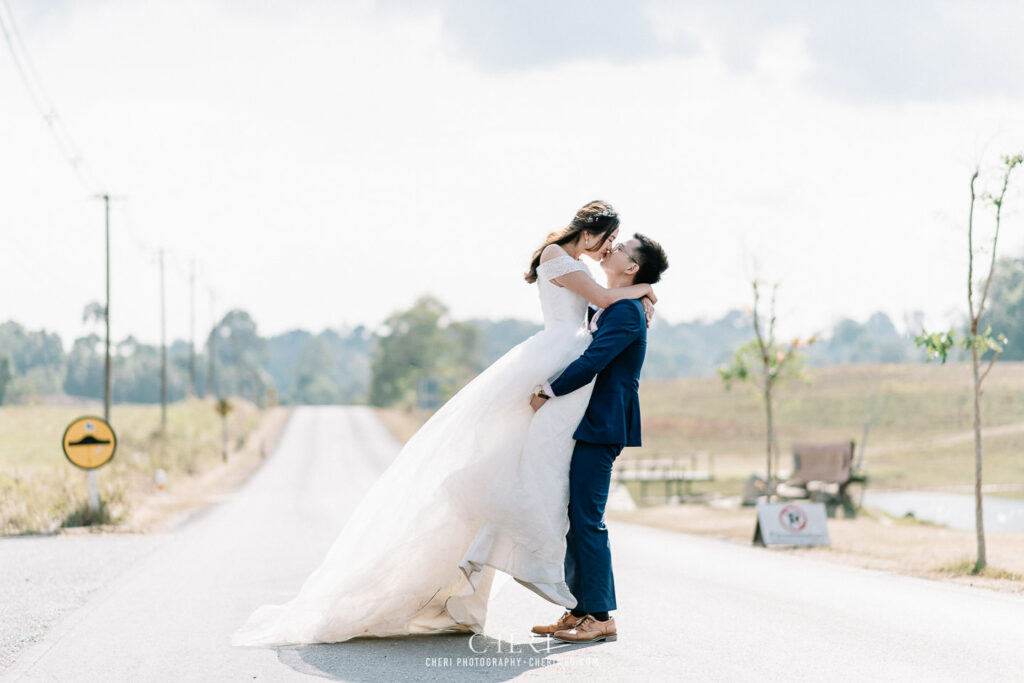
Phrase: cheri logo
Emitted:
{"points": [[481, 644]]}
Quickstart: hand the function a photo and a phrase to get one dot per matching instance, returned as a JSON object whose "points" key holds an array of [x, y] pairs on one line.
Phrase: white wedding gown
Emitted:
{"points": [[482, 486]]}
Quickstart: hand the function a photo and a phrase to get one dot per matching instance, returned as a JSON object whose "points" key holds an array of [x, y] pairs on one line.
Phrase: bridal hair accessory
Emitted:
{"points": [[604, 213]]}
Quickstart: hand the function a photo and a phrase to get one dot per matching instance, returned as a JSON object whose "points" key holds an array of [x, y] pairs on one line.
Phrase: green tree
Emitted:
{"points": [[94, 312], [852, 342], [461, 356], [352, 354], [29, 350], [1006, 310], [409, 348], [314, 373], [764, 363], [240, 355], [85, 368], [5, 376], [137, 374], [422, 342], [37, 361], [938, 344], [283, 352], [498, 336]]}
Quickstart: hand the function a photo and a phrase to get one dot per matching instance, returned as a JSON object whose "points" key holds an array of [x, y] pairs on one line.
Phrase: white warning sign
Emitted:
{"points": [[803, 524]]}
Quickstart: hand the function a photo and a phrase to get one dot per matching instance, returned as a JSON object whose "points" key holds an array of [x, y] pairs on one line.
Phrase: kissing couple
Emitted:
{"points": [[511, 474]]}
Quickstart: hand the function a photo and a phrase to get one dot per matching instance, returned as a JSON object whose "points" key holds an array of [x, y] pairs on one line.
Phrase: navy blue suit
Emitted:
{"points": [[611, 422]]}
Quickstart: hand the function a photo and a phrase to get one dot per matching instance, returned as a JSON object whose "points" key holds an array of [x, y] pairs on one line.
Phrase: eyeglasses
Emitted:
{"points": [[622, 247]]}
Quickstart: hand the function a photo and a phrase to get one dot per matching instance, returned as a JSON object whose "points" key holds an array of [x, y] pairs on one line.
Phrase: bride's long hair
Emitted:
{"points": [[596, 218]]}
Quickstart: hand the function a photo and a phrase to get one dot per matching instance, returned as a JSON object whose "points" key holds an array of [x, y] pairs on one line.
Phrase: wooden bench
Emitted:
{"points": [[677, 471], [823, 473]]}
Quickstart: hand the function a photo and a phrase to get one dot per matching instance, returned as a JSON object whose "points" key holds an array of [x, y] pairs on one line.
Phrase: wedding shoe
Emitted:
{"points": [[588, 630], [566, 622]]}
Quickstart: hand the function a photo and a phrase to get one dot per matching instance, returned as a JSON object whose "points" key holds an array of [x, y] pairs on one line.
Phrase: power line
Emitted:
{"points": [[42, 102], [37, 99], [175, 261], [87, 177]]}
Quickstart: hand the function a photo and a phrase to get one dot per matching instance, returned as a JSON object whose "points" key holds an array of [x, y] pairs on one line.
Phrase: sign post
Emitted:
{"points": [[223, 407], [94, 491], [801, 524], [89, 443]]}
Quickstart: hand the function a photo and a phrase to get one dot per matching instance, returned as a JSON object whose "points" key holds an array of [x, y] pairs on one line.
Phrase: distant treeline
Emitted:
{"points": [[357, 365], [386, 366]]}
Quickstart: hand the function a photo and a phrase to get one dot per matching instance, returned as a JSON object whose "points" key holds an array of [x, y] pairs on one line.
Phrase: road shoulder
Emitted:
{"points": [[872, 541]]}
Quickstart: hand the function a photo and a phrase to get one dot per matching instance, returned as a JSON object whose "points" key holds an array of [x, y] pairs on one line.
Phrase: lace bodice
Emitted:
{"points": [[561, 307]]}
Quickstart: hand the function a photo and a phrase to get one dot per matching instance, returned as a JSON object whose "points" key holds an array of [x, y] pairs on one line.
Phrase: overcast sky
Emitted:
{"points": [[325, 163]]}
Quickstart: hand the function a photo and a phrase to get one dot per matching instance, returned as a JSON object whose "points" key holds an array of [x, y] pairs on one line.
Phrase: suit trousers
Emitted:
{"points": [[588, 556]]}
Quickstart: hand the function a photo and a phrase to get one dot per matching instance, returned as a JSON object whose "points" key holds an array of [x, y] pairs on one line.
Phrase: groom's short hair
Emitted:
{"points": [[651, 258]]}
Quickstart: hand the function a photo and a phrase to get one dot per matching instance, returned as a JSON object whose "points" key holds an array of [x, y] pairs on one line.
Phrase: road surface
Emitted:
{"points": [[691, 608]]}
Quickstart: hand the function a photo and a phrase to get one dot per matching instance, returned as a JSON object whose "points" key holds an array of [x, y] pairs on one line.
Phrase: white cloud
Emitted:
{"points": [[327, 165]]}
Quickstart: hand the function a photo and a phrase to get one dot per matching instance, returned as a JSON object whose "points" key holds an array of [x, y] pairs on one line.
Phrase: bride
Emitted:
{"points": [[482, 486]]}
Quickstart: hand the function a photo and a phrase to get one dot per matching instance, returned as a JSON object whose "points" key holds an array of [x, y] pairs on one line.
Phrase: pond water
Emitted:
{"points": [[954, 510]]}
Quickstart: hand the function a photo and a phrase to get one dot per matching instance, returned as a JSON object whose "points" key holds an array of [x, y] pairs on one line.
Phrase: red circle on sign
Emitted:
{"points": [[792, 517]]}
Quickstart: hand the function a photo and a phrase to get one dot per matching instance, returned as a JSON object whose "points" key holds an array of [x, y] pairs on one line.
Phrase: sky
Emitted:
{"points": [[324, 164]]}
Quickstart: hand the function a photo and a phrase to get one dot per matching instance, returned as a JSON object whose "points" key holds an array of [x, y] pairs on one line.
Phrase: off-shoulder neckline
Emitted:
{"points": [[562, 255]]}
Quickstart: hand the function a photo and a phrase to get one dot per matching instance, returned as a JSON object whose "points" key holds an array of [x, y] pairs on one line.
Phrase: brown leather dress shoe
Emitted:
{"points": [[588, 630], [566, 622]]}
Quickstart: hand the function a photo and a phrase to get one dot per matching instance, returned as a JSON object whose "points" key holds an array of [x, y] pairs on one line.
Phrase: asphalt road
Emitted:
{"points": [[691, 608]]}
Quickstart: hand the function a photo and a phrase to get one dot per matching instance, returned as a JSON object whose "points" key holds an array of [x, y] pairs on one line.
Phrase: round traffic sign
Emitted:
{"points": [[793, 518], [89, 442]]}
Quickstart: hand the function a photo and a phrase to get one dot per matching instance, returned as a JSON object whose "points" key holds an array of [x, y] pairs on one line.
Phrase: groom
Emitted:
{"points": [[611, 422]]}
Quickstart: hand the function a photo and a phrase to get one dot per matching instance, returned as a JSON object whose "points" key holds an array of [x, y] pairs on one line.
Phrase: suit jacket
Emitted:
{"points": [[615, 356]]}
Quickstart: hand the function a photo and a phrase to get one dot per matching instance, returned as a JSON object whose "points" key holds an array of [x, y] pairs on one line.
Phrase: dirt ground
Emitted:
{"points": [[873, 541], [401, 423]]}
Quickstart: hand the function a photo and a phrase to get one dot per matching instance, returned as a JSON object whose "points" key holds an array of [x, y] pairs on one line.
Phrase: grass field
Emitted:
{"points": [[40, 490], [921, 437], [921, 434]]}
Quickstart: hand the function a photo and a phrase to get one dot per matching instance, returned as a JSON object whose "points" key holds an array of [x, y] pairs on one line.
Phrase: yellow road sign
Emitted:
{"points": [[89, 442]]}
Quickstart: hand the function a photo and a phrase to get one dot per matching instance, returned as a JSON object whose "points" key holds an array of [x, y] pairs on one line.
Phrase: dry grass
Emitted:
{"points": [[40, 490], [186, 495], [921, 437], [400, 422]]}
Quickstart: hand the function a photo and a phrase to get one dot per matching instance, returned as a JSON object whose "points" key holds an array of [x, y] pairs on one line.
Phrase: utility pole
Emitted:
{"points": [[192, 331], [163, 348], [211, 381], [106, 318], [94, 490]]}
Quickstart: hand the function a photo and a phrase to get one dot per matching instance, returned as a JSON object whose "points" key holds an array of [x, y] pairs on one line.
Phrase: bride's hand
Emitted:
{"points": [[536, 402], [648, 309], [650, 295]]}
